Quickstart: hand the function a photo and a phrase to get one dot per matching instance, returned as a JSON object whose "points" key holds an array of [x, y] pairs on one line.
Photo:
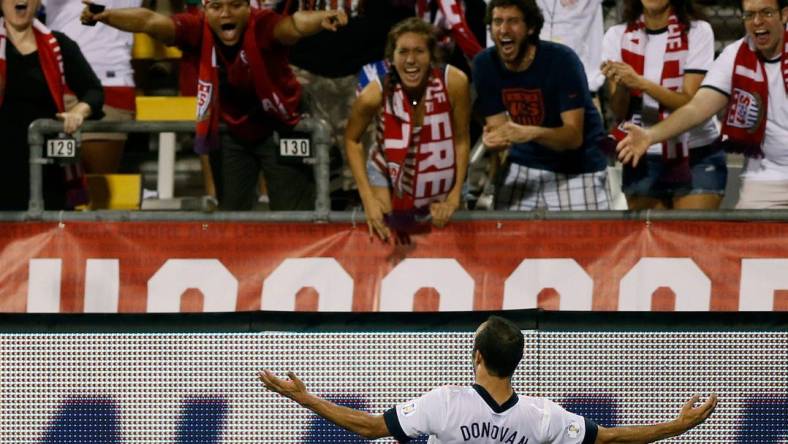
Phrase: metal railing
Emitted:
{"points": [[356, 218], [319, 130], [321, 139]]}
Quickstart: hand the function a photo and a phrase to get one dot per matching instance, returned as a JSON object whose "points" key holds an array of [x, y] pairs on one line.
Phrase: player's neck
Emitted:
{"points": [[499, 388]]}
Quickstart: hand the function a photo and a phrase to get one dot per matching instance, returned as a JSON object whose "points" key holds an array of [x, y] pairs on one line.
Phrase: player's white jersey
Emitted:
{"points": [[470, 415]]}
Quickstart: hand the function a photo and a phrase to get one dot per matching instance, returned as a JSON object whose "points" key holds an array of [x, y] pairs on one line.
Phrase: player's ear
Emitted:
{"points": [[477, 358]]}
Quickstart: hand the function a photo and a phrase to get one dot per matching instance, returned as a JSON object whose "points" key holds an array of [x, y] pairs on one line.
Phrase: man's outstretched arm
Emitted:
{"points": [[689, 417], [704, 104], [156, 25], [291, 29], [362, 423]]}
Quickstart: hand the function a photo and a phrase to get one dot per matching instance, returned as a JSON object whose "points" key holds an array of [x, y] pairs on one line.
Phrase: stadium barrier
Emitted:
{"points": [[240, 262]]}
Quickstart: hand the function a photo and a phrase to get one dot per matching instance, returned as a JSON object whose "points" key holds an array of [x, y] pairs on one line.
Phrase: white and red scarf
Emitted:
{"points": [[450, 13], [51, 60], [744, 125], [274, 101], [351, 7], [675, 152], [413, 158]]}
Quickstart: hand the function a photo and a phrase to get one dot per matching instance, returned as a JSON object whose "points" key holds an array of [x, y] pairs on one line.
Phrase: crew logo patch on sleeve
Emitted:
{"points": [[573, 430], [409, 408]]}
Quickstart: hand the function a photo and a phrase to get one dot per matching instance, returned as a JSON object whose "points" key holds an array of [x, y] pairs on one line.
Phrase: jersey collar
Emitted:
{"points": [[491, 402]]}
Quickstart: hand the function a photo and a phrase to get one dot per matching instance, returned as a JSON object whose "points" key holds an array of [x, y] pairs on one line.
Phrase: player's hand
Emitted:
{"points": [[88, 18], [374, 209], [622, 74], [334, 20], [441, 212], [293, 389], [71, 121], [692, 415], [634, 145]]}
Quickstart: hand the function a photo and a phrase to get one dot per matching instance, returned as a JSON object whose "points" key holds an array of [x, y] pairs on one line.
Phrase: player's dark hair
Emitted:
{"points": [[685, 11], [500, 343], [534, 20]]}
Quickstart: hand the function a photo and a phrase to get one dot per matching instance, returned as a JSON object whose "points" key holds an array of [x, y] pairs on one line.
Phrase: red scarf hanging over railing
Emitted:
{"points": [[675, 152], [744, 125]]}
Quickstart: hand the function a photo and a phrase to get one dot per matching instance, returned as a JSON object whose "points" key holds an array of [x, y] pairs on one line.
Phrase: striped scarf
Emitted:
{"points": [[675, 152], [451, 15], [49, 57], [275, 100], [351, 7], [744, 125], [51, 60], [420, 162]]}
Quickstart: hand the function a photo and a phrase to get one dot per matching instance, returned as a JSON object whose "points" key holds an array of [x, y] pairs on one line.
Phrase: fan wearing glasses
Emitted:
{"points": [[749, 81]]}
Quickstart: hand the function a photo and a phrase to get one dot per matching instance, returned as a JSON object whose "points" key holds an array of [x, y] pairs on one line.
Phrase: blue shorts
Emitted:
{"points": [[376, 177], [707, 165]]}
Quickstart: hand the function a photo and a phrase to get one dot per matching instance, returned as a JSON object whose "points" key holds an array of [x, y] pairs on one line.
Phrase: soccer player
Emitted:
{"points": [[489, 408]]}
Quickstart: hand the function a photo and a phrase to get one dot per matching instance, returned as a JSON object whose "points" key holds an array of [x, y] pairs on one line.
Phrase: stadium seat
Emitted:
{"points": [[151, 108], [114, 191], [145, 48]]}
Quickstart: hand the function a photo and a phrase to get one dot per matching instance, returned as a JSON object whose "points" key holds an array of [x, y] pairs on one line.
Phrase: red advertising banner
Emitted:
{"points": [[557, 265]]}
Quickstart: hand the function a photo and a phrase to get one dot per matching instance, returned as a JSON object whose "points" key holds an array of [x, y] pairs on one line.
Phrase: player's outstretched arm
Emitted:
{"points": [[362, 423], [689, 417]]}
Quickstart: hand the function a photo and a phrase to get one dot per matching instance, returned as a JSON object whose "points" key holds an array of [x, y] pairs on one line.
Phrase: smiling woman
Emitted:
{"points": [[654, 64], [415, 171], [36, 65]]}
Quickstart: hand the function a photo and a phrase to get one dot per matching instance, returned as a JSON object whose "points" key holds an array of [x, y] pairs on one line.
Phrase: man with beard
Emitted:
{"points": [[535, 100], [244, 81], [750, 80]]}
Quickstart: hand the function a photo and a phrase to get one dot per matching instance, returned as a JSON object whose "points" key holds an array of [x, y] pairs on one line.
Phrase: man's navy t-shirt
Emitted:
{"points": [[555, 82]]}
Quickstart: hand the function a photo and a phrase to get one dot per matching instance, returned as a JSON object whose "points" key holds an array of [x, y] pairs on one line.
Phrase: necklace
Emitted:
{"points": [[414, 101]]}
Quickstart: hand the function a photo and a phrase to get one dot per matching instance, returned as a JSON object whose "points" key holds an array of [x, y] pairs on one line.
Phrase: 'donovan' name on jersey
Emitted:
{"points": [[487, 430]]}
